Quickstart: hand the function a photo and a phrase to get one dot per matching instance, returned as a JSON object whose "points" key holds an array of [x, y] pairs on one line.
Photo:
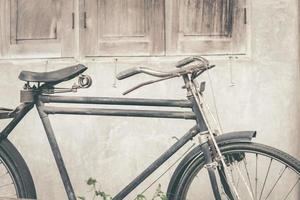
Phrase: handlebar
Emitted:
{"points": [[182, 69], [204, 64], [191, 59], [136, 70]]}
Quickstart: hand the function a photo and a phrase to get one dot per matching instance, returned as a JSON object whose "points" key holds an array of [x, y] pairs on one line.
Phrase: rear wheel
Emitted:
{"points": [[258, 172], [15, 178]]}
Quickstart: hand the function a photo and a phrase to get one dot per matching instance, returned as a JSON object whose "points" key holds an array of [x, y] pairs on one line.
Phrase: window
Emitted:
{"points": [[124, 27], [31, 28], [45, 28], [206, 27]]}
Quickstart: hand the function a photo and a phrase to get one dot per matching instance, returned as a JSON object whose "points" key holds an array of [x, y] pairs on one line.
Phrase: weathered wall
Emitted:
{"points": [[264, 97]]}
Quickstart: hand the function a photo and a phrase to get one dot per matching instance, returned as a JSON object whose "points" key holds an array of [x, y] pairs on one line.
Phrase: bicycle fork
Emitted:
{"points": [[209, 146], [206, 149], [211, 168]]}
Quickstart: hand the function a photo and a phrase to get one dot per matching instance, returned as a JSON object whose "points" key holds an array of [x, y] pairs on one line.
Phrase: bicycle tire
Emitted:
{"points": [[12, 161], [192, 165]]}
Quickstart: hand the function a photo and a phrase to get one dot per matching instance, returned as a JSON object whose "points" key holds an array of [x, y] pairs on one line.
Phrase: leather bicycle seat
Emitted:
{"points": [[53, 77]]}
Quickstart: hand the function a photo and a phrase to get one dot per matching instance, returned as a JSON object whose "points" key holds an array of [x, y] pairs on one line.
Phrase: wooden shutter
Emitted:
{"points": [[206, 27], [36, 28], [123, 28]]}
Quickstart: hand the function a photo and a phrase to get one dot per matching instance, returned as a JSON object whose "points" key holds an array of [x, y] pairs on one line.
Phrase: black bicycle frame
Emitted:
{"points": [[44, 110]]}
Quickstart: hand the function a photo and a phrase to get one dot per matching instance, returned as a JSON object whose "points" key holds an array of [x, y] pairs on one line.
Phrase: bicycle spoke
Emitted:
{"points": [[273, 187], [238, 174], [243, 179], [248, 175], [254, 175], [290, 191], [4, 174], [256, 158], [5, 185], [233, 179], [236, 178], [9, 196], [262, 190]]}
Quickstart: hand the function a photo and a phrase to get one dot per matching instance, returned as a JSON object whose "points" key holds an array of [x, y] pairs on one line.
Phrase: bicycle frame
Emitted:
{"points": [[30, 98]]}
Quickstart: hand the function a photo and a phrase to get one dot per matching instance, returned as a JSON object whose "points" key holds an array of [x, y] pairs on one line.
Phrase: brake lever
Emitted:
{"points": [[187, 70], [149, 82], [196, 74]]}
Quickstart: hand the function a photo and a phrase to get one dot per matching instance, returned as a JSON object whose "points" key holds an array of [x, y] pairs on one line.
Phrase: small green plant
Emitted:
{"points": [[159, 194], [140, 197], [99, 194]]}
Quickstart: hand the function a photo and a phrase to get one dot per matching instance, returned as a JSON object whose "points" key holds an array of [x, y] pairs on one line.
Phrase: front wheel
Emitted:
{"points": [[257, 172], [15, 178]]}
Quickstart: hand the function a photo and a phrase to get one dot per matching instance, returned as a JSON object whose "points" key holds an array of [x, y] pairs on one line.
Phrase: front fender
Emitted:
{"points": [[238, 136], [227, 138]]}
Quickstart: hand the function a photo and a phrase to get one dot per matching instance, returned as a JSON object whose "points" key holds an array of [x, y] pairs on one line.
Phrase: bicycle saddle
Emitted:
{"points": [[53, 77]]}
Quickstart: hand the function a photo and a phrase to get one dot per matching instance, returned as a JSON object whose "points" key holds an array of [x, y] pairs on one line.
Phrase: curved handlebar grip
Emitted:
{"points": [[185, 61], [127, 73]]}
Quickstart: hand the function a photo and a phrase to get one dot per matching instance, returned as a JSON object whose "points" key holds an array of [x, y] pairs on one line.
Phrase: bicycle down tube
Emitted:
{"points": [[44, 111]]}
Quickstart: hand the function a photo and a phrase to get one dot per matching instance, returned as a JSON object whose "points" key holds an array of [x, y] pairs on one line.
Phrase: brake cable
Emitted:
{"points": [[194, 75]]}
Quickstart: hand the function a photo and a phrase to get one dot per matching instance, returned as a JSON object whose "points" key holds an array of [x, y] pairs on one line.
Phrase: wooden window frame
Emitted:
{"points": [[179, 44], [74, 44], [150, 44], [59, 46]]}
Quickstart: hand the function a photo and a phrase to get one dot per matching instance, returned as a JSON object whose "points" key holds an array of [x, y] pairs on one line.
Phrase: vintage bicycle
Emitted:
{"points": [[236, 167]]}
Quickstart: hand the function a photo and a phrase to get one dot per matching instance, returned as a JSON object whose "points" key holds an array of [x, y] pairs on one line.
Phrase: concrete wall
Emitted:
{"points": [[256, 93]]}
